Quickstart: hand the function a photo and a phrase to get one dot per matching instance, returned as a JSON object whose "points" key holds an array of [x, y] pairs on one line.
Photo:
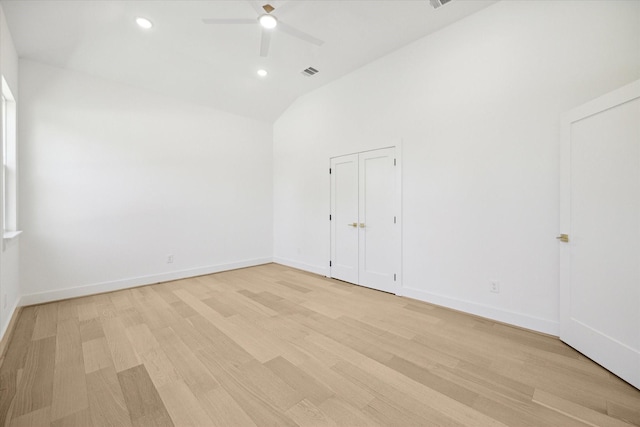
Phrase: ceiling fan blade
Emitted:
{"points": [[280, 3], [257, 6], [285, 28], [264, 43], [228, 21]]}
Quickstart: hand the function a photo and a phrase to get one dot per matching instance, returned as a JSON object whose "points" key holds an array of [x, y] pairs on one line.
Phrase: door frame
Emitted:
{"points": [[397, 205], [613, 99]]}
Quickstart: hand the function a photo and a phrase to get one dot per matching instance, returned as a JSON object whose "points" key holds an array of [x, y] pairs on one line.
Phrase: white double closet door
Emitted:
{"points": [[365, 241]]}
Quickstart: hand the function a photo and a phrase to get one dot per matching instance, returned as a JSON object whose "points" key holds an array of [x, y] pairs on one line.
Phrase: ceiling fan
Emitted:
{"points": [[268, 21]]}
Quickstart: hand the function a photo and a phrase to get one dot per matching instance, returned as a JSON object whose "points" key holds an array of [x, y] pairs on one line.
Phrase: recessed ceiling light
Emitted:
{"points": [[262, 73], [144, 23], [268, 21]]}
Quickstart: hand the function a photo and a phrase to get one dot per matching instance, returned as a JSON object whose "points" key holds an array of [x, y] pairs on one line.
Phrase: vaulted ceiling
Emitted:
{"points": [[216, 65]]}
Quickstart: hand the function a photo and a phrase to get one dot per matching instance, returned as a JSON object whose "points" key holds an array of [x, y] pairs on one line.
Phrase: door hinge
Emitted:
{"points": [[394, 219], [329, 263], [394, 277], [329, 217], [394, 162], [329, 171]]}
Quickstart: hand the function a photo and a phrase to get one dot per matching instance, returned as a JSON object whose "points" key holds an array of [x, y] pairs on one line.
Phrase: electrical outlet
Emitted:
{"points": [[169, 259], [494, 287]]}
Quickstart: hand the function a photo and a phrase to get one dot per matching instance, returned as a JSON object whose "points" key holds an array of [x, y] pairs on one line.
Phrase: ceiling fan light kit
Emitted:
{"points": [[268, 21], [144, 23]]}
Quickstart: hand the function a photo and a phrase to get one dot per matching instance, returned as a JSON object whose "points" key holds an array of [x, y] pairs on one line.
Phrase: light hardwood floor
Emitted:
{"points": [[270, 345]]}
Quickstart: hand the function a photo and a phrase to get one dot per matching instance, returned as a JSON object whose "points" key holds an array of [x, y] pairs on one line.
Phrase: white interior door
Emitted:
{"points": [[344, 218], [377, 220], [600, 212], [365, 241]]}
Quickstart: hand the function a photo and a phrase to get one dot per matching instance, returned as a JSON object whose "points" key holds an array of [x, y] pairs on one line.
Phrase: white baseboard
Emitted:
{"points": [[323, 271], [518, 319], [98, 288]]}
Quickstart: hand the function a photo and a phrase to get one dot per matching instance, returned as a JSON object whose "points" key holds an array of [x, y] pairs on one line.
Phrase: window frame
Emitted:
{"points": [[9, 164]]}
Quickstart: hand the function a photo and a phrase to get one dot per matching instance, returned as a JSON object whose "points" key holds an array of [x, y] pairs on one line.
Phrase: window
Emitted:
{"points": [[9, 163]]}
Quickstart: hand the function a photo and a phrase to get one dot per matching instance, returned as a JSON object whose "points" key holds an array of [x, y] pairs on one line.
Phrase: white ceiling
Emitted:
{"points": [[216, 65]]}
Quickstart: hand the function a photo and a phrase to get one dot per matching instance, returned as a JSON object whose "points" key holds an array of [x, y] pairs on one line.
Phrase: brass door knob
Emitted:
{"points": [[353, 224], [362, 225], [563, 238]]}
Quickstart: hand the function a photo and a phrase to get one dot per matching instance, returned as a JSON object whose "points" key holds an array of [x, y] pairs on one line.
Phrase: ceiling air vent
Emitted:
{"points": [[309, 72], [437, 3]]}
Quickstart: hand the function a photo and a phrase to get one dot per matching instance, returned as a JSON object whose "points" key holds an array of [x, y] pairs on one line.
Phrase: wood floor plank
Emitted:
{"points": [[105, 308], [106, 400], [260, 344], [629, 414], [37, 418], [87, 310], [96, 355], [186, 363], [154, 310], [69, 383], [294, 286], [130, 317], [573, 410], [388, 414], [164, 290], [80, 418], [251, 338], [91, 329], [263, 381], [159, 367], [257, 406], [223, 409], [121, 349], [524, 414], [432, 380], [182, 405], [342, 387], [248, 307], [219, 344], [8, 388], [67, 309], [486, 382], [121, 300], [142, 339], [183, 309], [217, 302], [46, 320], [142, 399], [345, 415], [272, 345], [36, 382], [69, 391], [306, 413], [388, 383], [297, 379], [19, 345]]}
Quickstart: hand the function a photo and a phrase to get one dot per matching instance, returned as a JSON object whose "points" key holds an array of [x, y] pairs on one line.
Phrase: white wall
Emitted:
{"points": [[10, 250], [477, 106], [115, 179]]}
